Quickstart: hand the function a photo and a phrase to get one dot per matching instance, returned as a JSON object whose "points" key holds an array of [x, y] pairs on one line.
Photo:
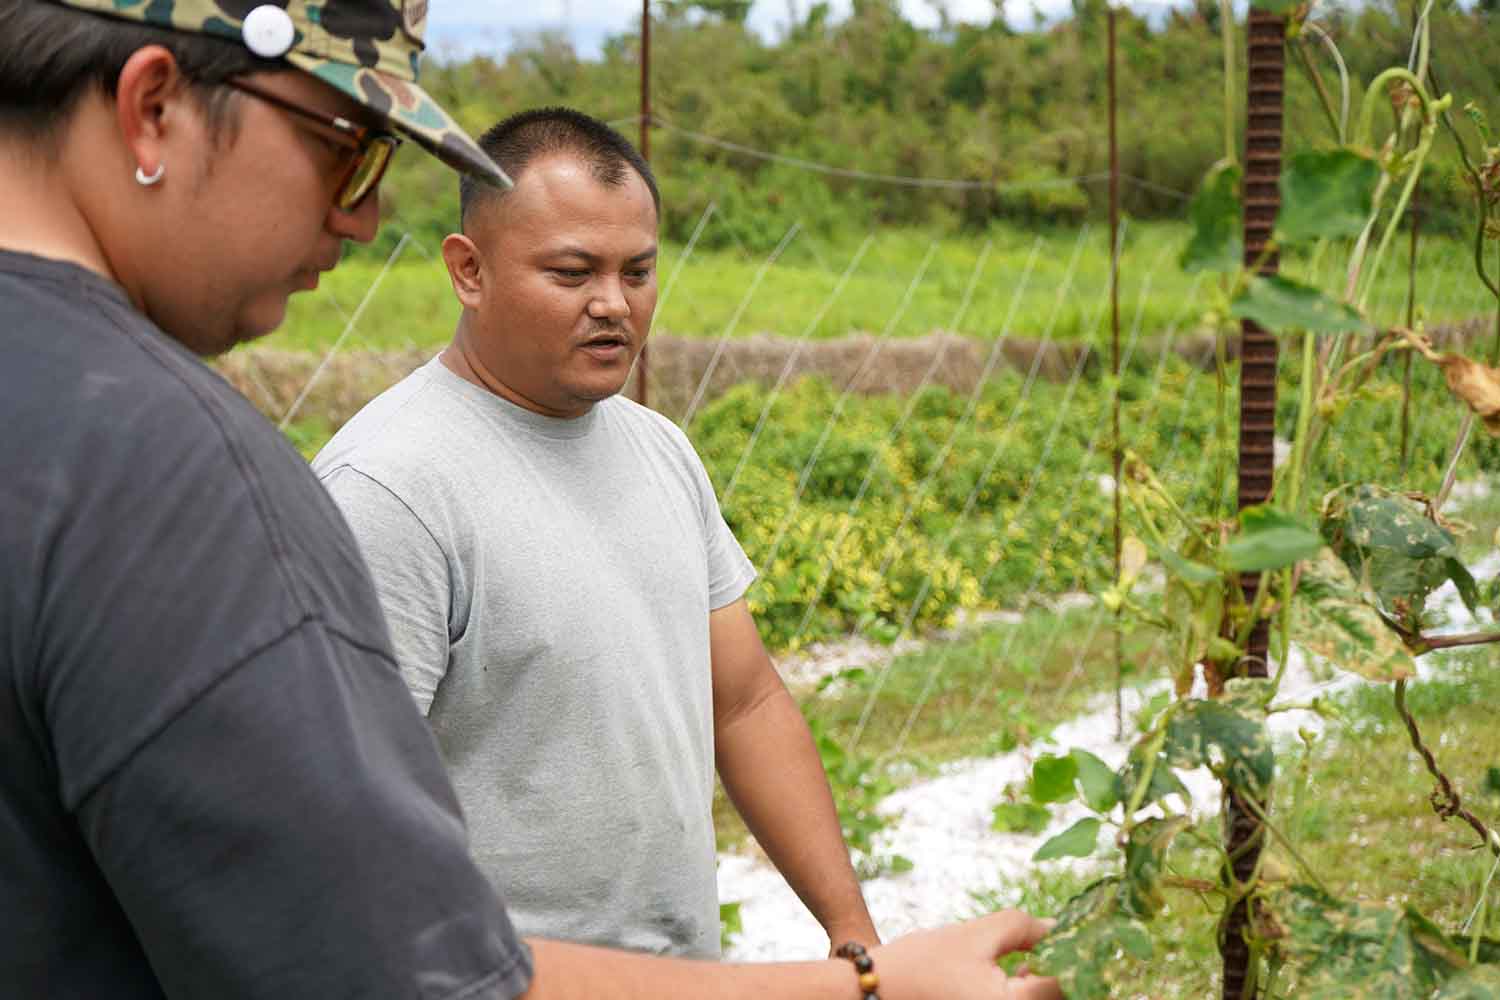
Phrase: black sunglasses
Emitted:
{"points": [[372, 148]]}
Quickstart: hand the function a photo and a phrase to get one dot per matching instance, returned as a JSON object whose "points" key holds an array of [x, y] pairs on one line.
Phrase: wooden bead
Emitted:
{"points": [[864, 963], [869, 982]]}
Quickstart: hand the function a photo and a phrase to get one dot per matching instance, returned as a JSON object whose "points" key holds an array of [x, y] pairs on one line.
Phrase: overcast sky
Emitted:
{"points": [[462, 27]]}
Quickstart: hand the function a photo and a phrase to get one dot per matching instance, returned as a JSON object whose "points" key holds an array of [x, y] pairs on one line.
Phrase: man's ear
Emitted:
{"points": [[149, 106], [463, 260]]}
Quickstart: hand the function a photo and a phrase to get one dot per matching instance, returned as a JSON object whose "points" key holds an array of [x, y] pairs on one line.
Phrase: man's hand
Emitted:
{"points": [[958, 962]]}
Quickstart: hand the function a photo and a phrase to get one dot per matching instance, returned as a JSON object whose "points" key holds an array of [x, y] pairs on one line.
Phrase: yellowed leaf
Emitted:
{"points": [[1132, 560], [1478, 385]]}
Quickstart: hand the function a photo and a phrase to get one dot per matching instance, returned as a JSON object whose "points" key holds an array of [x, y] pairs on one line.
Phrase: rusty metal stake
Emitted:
{"points": [[641, 364], [1266, 64], [1114, 322]]}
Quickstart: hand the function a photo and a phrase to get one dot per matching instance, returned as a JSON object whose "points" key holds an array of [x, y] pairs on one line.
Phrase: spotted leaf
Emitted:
{"points": [[1145, 858], [1082, 950], [1351, 950], [1331, 619], [1229, 738]]}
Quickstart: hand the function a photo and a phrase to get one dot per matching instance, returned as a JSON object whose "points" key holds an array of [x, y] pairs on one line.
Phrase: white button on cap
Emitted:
{"points": [[268, 31]]}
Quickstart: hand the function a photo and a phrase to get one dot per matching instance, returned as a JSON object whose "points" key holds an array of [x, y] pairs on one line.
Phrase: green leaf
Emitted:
{"points": [[1082, 950], [1250, 695], [1277, 6], [1369, 517], [1145, 858], [1482, 982], [1229, 738], [1326, 194], [1101, 785], [1164, 780], [1282, 305], [1077, 841], [1216, 243], [1020, 817], [1188, 570], [1346, 950], [1388, 541], [730, 922], [1270, 539], [1330, 619], [1052, 779]]}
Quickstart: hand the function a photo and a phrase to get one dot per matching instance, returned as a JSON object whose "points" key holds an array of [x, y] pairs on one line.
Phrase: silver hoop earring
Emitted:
{"points": [[147, 180]]}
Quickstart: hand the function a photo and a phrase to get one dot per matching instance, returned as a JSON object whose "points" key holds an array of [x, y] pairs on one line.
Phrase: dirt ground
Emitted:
{"points": [[682, 369]]}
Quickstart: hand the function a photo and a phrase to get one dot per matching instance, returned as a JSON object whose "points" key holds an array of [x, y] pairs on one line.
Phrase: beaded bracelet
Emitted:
{"points": [[855, 952]]}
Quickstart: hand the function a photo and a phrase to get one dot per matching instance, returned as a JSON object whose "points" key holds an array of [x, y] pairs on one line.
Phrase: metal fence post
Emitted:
{"points": [[1257, 449]]}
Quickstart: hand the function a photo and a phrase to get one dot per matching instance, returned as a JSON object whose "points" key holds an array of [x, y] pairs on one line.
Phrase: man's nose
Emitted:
{"points": [[609, 302], [359, 225]]}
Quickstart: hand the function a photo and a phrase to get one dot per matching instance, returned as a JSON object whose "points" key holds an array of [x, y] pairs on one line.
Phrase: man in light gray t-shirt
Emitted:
{"points": [[565, 599], [551, 617]]}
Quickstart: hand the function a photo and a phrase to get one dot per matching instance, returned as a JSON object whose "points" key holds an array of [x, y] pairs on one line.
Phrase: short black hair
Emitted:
{"points": [[526, 136], [53, 55]]}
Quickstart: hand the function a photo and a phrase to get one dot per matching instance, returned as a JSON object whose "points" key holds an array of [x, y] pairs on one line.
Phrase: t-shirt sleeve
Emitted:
{"points": [[319, 852], [730, 571], [411, 576]]}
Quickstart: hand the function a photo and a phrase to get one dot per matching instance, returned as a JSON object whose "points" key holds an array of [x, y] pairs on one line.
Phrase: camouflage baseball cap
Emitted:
{"points": [[368, 49]]}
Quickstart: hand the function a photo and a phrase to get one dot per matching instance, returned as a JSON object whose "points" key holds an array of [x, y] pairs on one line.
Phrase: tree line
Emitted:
{"points": [[1020, 115]]}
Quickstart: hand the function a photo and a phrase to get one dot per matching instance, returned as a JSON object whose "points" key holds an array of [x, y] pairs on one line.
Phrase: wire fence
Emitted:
{"points": [[896, 516]]}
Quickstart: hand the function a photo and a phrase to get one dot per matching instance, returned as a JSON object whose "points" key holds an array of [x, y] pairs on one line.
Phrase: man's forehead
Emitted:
{"points": [[557, 203]]}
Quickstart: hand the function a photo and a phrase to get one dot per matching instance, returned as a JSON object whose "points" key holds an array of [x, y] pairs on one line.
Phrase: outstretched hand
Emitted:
{"points": [[958, 962]]}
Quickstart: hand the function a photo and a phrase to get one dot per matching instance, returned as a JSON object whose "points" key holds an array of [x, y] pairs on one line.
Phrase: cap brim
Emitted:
{"points": [[410, 111]]}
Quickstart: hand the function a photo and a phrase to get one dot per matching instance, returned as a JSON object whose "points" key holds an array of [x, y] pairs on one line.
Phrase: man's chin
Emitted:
{"points": [[261, 322], [599, 388]]}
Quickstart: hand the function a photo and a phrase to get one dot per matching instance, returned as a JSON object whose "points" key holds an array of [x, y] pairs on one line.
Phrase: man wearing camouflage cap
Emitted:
{"points": [[215, 783]]}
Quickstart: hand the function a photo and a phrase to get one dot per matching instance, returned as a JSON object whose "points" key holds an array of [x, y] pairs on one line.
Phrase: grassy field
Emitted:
{"points": [[1029, 283]]}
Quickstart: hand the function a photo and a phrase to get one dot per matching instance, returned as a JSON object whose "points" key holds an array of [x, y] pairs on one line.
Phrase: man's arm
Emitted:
{"points": [[770, 767], [952, 963]]}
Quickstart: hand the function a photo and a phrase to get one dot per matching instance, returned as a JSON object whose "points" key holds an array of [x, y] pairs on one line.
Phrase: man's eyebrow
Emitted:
{"points": [[592, 258]]}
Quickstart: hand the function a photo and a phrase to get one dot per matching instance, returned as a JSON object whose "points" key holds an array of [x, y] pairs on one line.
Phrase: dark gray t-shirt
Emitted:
{"points": [[214, 781]]}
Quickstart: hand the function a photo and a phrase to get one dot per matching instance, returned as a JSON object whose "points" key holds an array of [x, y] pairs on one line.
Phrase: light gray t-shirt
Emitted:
{"points": [[548, 584]]}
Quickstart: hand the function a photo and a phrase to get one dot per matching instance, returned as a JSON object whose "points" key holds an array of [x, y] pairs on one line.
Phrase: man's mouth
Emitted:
{"points": [[607, 345]]}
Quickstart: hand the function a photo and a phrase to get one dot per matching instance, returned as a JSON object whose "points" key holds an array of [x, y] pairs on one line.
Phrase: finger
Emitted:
{"points": [[1012, 930], [1034, 988]]}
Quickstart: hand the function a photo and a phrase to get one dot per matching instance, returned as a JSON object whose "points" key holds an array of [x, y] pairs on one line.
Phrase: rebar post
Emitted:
{"points": [[1114, 323], [642, 365], [1266, 67]]}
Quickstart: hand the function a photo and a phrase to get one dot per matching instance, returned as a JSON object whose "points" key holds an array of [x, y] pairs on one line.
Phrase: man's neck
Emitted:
{"points": [[460, 358], [38, 214]]}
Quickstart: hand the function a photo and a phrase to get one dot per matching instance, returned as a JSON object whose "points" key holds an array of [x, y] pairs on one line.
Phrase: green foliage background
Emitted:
{"points": [[903, 523], [874, 93]]}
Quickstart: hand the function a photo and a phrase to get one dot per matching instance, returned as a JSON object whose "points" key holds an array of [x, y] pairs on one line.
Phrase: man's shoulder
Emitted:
{"points": [[97, 383], [396, 434]]}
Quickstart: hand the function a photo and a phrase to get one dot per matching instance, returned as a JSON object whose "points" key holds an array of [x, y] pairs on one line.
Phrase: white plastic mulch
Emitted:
{"points": [[943, 824]]}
